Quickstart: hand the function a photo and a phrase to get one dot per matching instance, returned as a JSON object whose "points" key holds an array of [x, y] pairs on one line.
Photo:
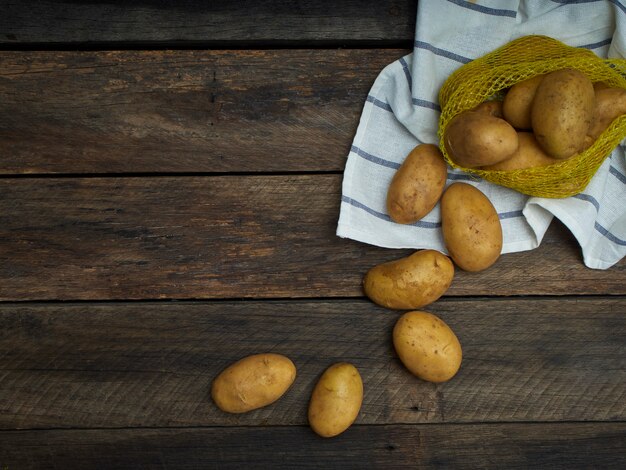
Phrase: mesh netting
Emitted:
{"points": [[489, 77]]}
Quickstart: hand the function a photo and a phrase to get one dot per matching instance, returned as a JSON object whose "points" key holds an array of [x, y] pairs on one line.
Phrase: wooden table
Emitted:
{"points": [[170, 181]]}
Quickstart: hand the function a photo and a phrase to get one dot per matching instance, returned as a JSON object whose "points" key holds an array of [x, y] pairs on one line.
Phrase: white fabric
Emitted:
{"points": [[402, 111]]}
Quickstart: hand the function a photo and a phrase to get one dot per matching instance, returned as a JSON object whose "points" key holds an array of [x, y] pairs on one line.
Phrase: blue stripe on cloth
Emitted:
{"points": [[590, 199], [609, 235], [565, 2], [379, 103], [407, 73], [617, 3], [374, 159], [615, 172], [595, 45], [482, 9], [389, 164], [442, 52], [597, 226], [510, 215], [596, 204], [426, 104], [462, 177], [419, 223], [380, 215]]}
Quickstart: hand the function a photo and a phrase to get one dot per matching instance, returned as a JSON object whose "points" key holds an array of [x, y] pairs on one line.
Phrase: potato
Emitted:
{"points": [[417, 185], [600, 86], [528, 155], [562, 112], [610, 103], [518, 102], [475, 139], [427, 346], [492, 108], [253, 382], [411, 282], [471, 228], [336, 400]]}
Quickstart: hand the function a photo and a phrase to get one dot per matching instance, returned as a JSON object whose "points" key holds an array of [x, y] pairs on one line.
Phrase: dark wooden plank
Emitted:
{"points": [[152, 364], [270, 22], [182, 111], [225, 237], [512, 446]]}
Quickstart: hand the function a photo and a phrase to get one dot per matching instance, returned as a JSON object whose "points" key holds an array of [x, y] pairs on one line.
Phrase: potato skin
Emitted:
{"points": [[475, 139], [492, 108], [253, 382], [336, 400], [417, 185], [610, 103], [528, 155], [518, 101], [411, 282], [562, 111], [471, 228], [427, 346], [600, 86]]}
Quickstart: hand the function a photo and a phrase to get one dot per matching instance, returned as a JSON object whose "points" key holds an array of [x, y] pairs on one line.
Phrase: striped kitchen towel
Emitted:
{"points": [[402, 111]]}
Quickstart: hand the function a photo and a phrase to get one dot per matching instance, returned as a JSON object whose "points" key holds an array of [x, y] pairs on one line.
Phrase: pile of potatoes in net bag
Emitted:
{"points": [[535, 115], [541, 121]]}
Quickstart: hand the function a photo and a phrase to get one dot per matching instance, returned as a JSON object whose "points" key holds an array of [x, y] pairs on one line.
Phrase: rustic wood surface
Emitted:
{"points": [[512, 446], [152, 364], [214, 23], [226, 237], [183, 111], [170, 184]]}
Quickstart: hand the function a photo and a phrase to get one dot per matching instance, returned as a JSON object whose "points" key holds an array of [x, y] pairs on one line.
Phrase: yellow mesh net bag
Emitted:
{"points": [[489, 76]]}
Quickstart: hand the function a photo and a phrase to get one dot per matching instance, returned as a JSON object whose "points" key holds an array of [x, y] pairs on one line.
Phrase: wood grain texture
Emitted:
{"points": [[126, 385], [512, 446], [182, 111], [152, 364], [261, 21], [225, 237]]}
